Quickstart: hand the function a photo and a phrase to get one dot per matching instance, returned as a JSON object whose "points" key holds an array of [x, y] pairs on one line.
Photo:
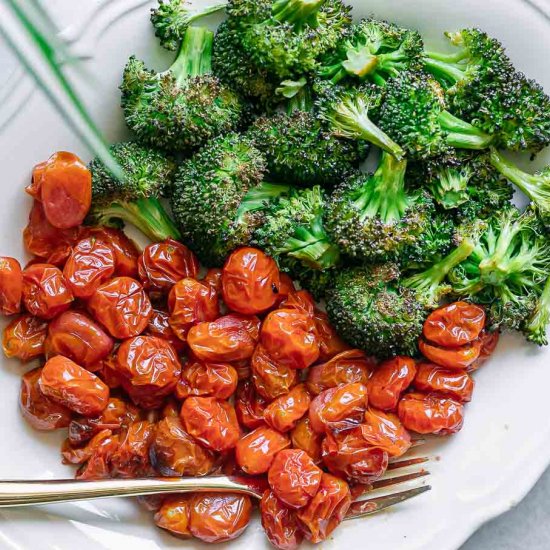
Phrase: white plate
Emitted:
{"points": [[482, 471]]}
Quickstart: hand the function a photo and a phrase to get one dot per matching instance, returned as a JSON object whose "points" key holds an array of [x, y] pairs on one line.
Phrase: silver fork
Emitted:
{"points": [[32, 493]]}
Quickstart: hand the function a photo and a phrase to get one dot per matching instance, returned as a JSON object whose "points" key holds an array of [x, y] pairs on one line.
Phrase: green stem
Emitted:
{"points": [[195, 55], [360, 62], [536, 326], [444, 70], [300, 13], [462, 134], [260, 196]]}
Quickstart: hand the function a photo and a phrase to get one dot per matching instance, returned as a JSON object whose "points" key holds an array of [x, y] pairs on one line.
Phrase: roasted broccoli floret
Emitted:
{"points": [[535, 186], [184, 107], [218, 196], [286, 37], [375, 51], [373, 312], [299, 149], [135, 198], [507, 269], [349, 113], [374, 216], [536, 326]]}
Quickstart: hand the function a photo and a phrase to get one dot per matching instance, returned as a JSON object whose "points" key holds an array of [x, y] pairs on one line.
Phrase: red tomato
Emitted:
{"points": [[45, 291], [279, 523], [453, 383], [256, 450], [283, 413], [489, 341], [207, 380], [213, 279], [11, 286], [34, 189], [286, 287], [250, 281], [384, 431], [249, 406], [330, 344], [159, 326], [389, 381], [131, 458], [24, 338], [304, 437], [174, 515], [66, 190], [271, 379], [301, 301], [452, 358], [98, 465]]}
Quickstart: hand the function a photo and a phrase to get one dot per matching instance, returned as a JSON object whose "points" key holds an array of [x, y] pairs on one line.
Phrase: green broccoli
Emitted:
{"points": [[299, 149], [286, 37], [375, 51], [135, 199], [536, 326], [184, 107], [218, 196]]}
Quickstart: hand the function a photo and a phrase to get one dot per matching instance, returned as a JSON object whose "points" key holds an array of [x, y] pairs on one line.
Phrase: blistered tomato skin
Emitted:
{"points": [[384, 431], [24, 338], [162, 265], [174, 516], [326, 509], [330, 344], [122, 307], [271, 379], [290, 338], [256, 450], [131, 458], [211, 422], [76, 336], [250, 281], [452, 358], [226, 339], [34, 189], [159, 326], [91, 263], [41, 412], [11, 286], [249, 406], [452, 383], [213, 279], [191, 302], [343, 403], [279, 523], [294, 477], [98, 465], [389, 381], [286, 287], [344, 368], [284, 412], [66, 190], [175, 453], [454, 325], [207, 380], [489, 342], [45, 291], [300, 300], [430, 414], [74, 387], [303, 437], [217, 517]]}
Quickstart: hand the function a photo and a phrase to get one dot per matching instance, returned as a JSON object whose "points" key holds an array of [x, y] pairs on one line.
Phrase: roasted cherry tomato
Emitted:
{"points": [[489, 341], [286, 287], [326, 509], [345, 368], [301, 301], [290, 338], [66, 190], [79, 454], [174, 515], [77, 337], [74, 387], [159, 326], [91, 263], [284, 412], [213, 279], [452, 358], [131, 458], [294, 477], [149, 368], [171, 408], [191, 302], [175, 453], [45, 291], [34, 189], [243, 369], [330, 344], [11, 286], [207, 380], [162, 265], [24, 338], [271, 379], [98, 465], [343, 403], [107, 370], [226, 339], [430, 414], [303, 437], [250, 281], [454, 325], [385, 431], [211, 422], [249, 406], [279, 523], [41, 412], [452, 383], [349, 455], [389, 381], [122, 307], [256, 450], [217, 517]]}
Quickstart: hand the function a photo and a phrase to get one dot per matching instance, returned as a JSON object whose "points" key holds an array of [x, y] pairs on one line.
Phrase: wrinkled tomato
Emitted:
{"points": [[213, 279], [11, 286], [452, 383], [131, 458], [174, 515], [284, 412], [279, 522], [304, 437], [207, 380], [34, 189], [256, 450], [489, 342], [385, 431], [98, 465], [24, 338], [389, 381], [159, 326], [301, 301], [452, 358], [286, 287], [330, 344], [249, 406], [271, 379]]}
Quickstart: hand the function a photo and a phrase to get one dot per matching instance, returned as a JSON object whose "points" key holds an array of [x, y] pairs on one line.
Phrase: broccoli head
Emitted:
{"points": [[536, 326], [286, 37], [184, 107], [135, 198], [218, 196], [375, 51], [373, 312]]}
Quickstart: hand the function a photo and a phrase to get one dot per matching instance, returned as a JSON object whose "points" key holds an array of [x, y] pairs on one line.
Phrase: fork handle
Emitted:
{"points": [[31, 493]]}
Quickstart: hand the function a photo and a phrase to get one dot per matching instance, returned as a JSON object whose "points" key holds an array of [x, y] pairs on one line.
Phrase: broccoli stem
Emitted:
{"points": [[260, 196], [148, 215], [360, 62], [444, 70], [300, 13], [195, 55], [462, 134], [450, 187], [536, 326]]}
